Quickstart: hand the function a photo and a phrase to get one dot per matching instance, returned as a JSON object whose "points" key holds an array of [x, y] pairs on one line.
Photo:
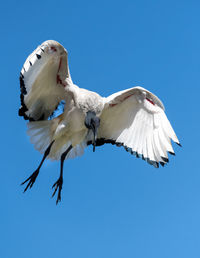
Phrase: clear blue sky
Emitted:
{"points": [[113, 205]]}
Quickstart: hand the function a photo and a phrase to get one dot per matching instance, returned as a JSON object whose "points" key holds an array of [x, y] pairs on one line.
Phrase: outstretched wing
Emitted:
{"points": [[135, 119], [42, 80]]}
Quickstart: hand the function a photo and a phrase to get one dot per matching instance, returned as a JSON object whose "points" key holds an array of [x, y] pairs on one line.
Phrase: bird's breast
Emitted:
{"points": [[77, 120]]}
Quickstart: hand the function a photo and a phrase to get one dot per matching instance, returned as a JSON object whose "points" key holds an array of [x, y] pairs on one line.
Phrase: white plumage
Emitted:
{"points": [[133, 118]]}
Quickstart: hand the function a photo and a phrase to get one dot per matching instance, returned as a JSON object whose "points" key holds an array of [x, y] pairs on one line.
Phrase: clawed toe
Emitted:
{"points": [[58, 186], [31, 180]]}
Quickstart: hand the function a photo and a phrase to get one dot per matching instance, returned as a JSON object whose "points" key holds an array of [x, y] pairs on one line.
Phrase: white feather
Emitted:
{"points": [[136, 118]]}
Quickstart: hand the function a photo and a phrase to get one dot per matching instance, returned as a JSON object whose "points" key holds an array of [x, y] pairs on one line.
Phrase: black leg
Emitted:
{"points": [[58, 184], [33, 177]]}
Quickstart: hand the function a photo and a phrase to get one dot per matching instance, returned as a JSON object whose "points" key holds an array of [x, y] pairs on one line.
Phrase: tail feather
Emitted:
{"points": [[42, 134]]}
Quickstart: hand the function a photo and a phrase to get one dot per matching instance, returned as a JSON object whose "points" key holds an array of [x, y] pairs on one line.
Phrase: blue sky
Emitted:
{"points": [[113, 205]]}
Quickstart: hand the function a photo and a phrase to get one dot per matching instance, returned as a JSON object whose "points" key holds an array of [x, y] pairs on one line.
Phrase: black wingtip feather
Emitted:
{"points": [[156, 164], [102, 141], [162, 164], [165, 159], [23, 108], [38, 56]]}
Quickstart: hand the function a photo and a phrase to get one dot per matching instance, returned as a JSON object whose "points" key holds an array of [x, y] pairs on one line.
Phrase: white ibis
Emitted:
{"points": [[132, 118]]}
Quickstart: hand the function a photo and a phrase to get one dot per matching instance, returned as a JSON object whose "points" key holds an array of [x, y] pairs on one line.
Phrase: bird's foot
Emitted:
{"points": [[31, 180], [58, 186]]}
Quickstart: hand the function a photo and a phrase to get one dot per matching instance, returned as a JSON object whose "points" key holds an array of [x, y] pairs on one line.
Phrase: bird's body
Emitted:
{"points": [[133, 118], [69, 127]]}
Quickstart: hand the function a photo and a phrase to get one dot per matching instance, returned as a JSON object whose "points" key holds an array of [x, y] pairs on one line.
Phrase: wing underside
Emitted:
{"points": [[42, 81], [135, 119]]}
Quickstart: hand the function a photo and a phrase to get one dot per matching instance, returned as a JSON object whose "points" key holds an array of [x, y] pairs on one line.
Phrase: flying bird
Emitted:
{"points": [[133, 118]]}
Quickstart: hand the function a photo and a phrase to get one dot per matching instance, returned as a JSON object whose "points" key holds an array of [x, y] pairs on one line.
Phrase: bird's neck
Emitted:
{"points": [[72, 90]]}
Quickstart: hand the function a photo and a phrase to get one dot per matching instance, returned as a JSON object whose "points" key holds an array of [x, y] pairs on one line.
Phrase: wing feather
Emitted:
{"points": [[150, 154], [136, 133], [42, 81], [168, 128], [135, 119], [166, 141]]}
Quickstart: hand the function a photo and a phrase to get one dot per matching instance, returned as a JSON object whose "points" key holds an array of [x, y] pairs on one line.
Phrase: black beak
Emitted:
{"points": [[94, 130], [92, 122]]}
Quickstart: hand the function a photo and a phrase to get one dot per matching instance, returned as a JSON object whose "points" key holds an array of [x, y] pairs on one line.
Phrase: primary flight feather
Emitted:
{"points": [[133, 118]]}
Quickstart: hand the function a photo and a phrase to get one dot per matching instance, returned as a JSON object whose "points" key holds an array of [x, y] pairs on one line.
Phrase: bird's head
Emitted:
{"points": [[92, 122]]}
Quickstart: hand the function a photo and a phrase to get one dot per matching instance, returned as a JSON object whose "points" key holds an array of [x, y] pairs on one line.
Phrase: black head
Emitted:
{"points": [[92, 122]]}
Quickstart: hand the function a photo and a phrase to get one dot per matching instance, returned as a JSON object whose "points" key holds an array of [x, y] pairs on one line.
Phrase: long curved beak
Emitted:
{"points": [[92, 122], [94, 130]]}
